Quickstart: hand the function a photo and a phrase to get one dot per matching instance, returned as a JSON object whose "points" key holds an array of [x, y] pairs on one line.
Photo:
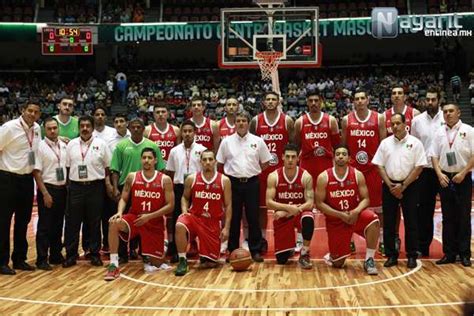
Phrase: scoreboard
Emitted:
{"points": [[66, 41]]}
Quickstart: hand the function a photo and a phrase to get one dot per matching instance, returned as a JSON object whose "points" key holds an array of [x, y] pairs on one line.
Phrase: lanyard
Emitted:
{"points": [[84, 154], [29, 136], [57, 154], [451, 141]]}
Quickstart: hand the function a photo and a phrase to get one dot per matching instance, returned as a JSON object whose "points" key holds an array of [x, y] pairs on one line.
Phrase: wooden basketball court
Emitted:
{"points": [[265, 289]]}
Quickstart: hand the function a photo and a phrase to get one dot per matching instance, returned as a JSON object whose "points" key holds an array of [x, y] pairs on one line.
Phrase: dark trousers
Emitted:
{"points": [[245, 196], [50, 224], [456, 209], [429, 187], [16, 196], [390, 205], [178, 194], [86, 203], [110, 208]]}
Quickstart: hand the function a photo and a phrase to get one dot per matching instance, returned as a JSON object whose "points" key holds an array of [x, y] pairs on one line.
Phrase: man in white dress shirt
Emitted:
{"points": [[88, 160], [19, 140], [50, 175], [452, 154], [400, 159], [183, 160], [424, 127], [244, 156]]}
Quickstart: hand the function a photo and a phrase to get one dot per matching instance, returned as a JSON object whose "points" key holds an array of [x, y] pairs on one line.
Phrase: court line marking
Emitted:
{"points": [[272, 309], [177, 287]]}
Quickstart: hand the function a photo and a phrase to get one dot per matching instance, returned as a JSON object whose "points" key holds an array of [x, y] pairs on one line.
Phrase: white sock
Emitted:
{"points": [[370, 253], [264, 233], [182, 255], [381, 235], [304, 250], [114, 259]]}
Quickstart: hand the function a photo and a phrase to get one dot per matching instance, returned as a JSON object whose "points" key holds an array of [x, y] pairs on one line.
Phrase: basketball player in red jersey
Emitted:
{"points": [[276, 130], [207, 130], [227, 123], [341, 194], [362, 132], [152, 197], [290, 193], [317, 133], [210, 196], [165, 135], [398, 98]]}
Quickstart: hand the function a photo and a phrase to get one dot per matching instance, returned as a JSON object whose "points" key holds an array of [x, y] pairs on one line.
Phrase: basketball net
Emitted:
{"points": [[268, 62]]}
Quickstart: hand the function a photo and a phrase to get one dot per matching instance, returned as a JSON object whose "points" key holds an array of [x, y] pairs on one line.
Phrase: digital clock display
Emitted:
{"points": [[67, 41]]}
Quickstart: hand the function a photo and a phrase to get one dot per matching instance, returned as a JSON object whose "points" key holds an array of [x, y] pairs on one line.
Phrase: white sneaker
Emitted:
{"points": [[327, 259], [299, 242], [224, 247], [149, 268], [245, 245]]}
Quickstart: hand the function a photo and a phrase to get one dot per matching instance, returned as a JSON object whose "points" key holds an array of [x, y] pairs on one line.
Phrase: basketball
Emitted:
{"points": [[240, 259]]}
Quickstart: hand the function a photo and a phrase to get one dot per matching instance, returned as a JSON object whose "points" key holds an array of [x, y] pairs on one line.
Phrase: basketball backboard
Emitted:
{"points": [[291, 31]]}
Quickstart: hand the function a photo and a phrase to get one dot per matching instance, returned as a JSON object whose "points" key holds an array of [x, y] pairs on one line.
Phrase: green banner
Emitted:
{"points": [[160, 32]]}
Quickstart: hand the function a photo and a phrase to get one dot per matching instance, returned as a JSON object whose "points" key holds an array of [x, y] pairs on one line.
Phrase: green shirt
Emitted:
{"points": [[70, 129], [127, 157]]}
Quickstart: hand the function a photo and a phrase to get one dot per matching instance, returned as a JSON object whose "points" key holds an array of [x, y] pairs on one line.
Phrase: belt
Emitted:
{"points": [[87, 182], [243, 180], [450, 174], [26, 175], [397, 181], [54, 186]]}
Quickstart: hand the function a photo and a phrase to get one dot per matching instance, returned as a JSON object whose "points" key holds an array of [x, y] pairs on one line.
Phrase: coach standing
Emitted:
{"points": [[88, 159], [19, 140], [244, 156], [400, 159], [50, 175], [452, 155]]}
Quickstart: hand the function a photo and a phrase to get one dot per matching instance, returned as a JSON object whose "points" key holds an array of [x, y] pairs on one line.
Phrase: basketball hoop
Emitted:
{"points": [[268, 62]]}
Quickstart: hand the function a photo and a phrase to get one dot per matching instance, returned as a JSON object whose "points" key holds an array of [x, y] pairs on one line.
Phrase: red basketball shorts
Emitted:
{"points": [[207, 230], [284, 231], [340, 233], [151, 234]]}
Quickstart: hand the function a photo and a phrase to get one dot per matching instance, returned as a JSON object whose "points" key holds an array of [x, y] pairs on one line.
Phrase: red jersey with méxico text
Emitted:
{"points": [[316, 137], [225, 129], [147, 195], [342, 194], [363, 139], [203, 134], [290, 191], [165, 140], [207, 197], [275, 137], [407, 111]]}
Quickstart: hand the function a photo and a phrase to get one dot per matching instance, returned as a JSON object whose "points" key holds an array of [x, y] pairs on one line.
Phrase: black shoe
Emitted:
{"points": [[174, 258], [391, 261], [44, 266], [466, 261], [23, 266], [123, 260], [87, 255], [446, 260], [257, 257], [264, 246], [69, 262], [133, 254], [411, 264], [7, 270], [95, 261], [56, 260]]}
